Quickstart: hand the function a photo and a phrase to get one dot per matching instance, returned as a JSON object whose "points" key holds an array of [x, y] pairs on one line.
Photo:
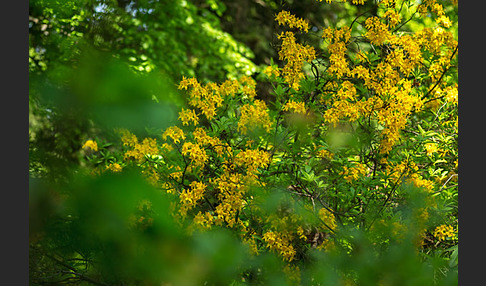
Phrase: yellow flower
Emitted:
{"points": [[114, 167], [128, 138], [377, 32], [324, 154], [431, 148], [353, 173], [197, 154], [393, 17], [300, 232], [203, 221], [254, 115], [451, 94], [188, 115], [280, 242], [90, 144], [248, 86], [328, 218], [296, 107], [140, 150], [272, 71], [444, 231], [295, 54], [285, 18], [175, 133], [190, 198]]}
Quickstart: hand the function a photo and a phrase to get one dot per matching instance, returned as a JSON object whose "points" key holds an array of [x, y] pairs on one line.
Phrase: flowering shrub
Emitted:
{"points": [[359, 136]]}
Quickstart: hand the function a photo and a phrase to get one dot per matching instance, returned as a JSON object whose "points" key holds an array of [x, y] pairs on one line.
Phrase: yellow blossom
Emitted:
{"points": [[252, 160], [248, 86], [188, 115], [127, 138], [295, 54], [393, 17], [451, 94], [197, 154], [271, 71], [354, 172], [203, 221], [324, 154], [280, 242], [175, 133], [189, 198], [229, 87], [114, 167], [378, 32], [300, 232], [254, 115], [296, 107], [285, 18], [431, 148], [328, 219], [140, 150], [90, 144], [444, 231]]}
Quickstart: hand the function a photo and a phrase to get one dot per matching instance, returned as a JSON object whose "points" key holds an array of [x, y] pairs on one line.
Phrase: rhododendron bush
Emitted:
{"points": [[344, 173]]}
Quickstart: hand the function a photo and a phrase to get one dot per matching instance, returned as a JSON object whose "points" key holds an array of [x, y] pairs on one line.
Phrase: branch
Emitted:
{"points": [[443, 186], [441, 76], [74, 271], [403, 24]]}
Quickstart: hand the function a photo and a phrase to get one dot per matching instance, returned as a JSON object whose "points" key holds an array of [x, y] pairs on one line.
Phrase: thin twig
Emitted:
{"points": [[441, 188], [442, 75]]}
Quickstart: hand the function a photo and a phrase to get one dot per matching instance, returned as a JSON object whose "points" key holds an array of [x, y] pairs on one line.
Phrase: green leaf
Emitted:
{"points": [[454, 259], [279, 91]]}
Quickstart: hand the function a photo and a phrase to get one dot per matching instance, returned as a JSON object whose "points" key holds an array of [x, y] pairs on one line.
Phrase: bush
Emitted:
{"points": [[345, 175]]}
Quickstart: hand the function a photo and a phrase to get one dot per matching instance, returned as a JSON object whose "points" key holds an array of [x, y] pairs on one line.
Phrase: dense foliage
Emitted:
{"points": [[334, 163]]}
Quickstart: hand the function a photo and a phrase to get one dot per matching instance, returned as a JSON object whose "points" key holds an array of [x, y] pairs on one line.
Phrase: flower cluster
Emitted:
{"points": [[293, 106], [328, 219], [248, 86], [203, 220], [188, 115], [114, 167], [451, 94], [378, 32], [206, 98], [252, 160], [197, 154], [285, 18], [431, 148], [354, 172], [393, 17], [345, 105], [140, 150], [254, 115], [280, 242], [189, 198], [175, 133], [215, 143], [338, 38], [324, 154], [295, 54], [90, 144], [437, 9], [231, 189], [272, 71], [443, 232]]}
